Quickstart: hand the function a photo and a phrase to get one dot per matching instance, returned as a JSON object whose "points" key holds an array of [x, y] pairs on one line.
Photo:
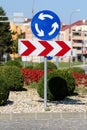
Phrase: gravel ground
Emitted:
{"points": [[29, 101]]}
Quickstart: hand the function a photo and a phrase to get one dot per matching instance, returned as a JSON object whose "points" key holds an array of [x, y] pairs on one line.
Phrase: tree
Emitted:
{"points": [[14, 46], [5, 33]]}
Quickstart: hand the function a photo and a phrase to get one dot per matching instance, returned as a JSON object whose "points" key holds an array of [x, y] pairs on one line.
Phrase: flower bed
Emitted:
{"points": [[32, 75], [80, 79]]}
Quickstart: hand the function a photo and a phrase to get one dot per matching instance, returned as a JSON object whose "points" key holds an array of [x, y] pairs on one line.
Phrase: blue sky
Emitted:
{"points": [[63, 8]]}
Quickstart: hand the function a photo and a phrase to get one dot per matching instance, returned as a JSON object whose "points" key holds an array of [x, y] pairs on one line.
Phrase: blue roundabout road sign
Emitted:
{"points": [[45, 25]]}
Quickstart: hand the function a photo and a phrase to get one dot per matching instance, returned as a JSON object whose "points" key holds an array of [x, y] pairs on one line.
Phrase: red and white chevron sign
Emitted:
{"points": [[42, 48]]}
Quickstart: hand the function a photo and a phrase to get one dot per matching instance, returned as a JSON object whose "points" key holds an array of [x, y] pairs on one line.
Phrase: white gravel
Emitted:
{"points": [[29, 101]]}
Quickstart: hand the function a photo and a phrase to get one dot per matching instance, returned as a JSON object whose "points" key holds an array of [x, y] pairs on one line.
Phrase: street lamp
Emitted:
{"points": [[73, 12], [33, 8]]}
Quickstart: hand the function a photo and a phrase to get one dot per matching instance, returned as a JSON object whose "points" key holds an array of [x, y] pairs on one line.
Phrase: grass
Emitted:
{"points": [[32, 85], [60, 64], [67, 64]]}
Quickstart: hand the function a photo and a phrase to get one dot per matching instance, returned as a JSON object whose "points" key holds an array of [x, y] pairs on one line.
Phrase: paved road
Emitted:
{"points": [[44, 121], [84, 66]]}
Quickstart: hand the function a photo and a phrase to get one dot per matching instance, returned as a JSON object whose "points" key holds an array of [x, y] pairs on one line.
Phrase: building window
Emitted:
{"points": [[77, 34], [77, 41], [85, 34], [78, 48]]}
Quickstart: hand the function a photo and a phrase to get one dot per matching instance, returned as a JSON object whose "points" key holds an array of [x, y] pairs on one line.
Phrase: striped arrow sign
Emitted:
{"points": [[28, 47]]}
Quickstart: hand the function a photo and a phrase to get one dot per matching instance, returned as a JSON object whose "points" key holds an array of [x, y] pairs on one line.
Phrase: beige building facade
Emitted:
{"points": [[76, 33]]}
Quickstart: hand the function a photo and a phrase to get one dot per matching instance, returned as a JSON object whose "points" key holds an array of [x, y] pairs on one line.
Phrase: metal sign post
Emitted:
{"points": [[45, 82]]}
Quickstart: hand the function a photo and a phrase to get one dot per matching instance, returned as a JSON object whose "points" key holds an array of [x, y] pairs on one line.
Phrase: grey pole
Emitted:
{"points": [[45, 83], [70, 37]]}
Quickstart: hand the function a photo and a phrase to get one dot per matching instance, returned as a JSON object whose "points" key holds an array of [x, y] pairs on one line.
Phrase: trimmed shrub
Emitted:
{"points": [[29, 66], [4, 91], [50, 66], [58, 88], [13, 63], [60, 83], [67, 75], [13, 77], [77, 70], [78, 74]]}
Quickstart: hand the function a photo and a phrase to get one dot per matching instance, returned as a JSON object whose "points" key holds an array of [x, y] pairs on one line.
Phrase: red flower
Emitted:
{"points": [[32, 75], [80, 79]]}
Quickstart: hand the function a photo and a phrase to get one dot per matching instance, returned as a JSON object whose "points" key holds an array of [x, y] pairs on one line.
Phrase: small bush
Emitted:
{"points": [[67, 75], [13, 77], [29, 66], [60, 83], [58, 88], [50, 66], [77, 70], [13, 63], [4, 91]]}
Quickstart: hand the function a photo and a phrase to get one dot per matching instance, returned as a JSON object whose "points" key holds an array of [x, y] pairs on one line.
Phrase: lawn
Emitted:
{"points": [[67, 64]]}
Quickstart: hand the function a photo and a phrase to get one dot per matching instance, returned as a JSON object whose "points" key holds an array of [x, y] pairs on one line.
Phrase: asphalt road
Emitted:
{"points": [[84, 66], [44, 121]]}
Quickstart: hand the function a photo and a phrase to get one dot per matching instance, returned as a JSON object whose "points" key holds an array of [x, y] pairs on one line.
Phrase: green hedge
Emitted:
{"points": [[60, 83], [4, 91], [13, 77], [14, 63], [77, 69], [50, 66]]}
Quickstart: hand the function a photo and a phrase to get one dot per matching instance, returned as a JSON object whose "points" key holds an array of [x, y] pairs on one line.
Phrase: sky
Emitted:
{"points": [[65, 9]]}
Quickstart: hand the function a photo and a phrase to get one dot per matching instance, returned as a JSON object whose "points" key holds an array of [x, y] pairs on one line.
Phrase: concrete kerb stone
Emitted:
{"points": [[44, 115]]}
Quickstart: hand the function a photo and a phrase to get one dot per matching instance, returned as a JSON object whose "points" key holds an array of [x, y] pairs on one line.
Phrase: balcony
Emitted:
{"points": [[79, 51], [79, 35], [77, 44], [75, 37]]}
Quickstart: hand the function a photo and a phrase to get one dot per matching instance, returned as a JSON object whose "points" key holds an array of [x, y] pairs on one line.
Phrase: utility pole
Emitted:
{"points": [[70, 38], [32, 33]]}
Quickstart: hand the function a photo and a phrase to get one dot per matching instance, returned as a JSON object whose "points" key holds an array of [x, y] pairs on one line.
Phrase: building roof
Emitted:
{"points": [[78, 23], [27, 20]]}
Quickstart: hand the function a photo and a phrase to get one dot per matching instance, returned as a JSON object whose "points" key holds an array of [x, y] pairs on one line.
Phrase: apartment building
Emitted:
{"points": [[77, 34]]}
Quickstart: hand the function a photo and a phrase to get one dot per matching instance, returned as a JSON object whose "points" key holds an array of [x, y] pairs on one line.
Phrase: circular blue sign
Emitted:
{"points": [[45, 25]]}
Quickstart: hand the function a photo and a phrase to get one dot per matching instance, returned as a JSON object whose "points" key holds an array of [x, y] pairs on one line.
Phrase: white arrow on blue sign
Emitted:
{"points": [[45, 25]]}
